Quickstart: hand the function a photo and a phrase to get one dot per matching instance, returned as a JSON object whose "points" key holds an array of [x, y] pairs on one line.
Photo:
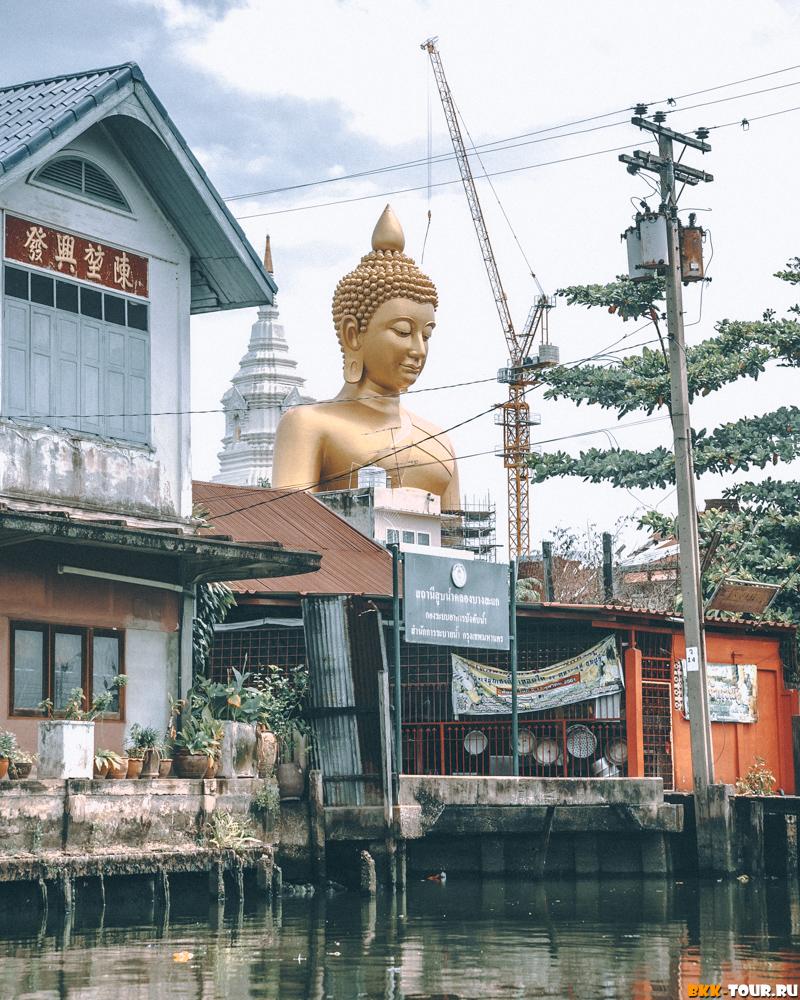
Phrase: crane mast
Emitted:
{"points": [[521, 373]]}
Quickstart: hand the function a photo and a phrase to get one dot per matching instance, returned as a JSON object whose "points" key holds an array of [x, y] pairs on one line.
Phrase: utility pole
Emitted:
{"points": [[693, 617]]}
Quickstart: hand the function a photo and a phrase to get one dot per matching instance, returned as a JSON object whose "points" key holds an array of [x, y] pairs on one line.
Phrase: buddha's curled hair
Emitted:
{"points": [[381, 275]]}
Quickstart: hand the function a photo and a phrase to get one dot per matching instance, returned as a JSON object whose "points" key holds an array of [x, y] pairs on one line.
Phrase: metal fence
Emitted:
{"points": [[657, 669], [574, 748]]}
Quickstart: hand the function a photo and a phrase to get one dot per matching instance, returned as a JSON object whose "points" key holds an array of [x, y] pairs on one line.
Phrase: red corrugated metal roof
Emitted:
{"points": [[351, 562], [666, 615]]}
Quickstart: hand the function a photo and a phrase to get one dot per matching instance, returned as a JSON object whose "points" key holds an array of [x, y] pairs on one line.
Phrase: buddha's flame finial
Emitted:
{"points": [[268, 257], [388, 233]]}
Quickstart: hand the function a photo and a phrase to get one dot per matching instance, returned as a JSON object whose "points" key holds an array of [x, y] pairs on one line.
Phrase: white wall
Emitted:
{"points": [[151, 663], [62, 465]]}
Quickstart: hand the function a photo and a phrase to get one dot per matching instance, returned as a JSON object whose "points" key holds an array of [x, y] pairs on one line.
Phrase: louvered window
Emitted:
{"points": [[71, 173]]}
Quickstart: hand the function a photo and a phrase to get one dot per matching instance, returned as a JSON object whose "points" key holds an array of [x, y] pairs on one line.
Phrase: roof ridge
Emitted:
{"points": [[131, 66]]}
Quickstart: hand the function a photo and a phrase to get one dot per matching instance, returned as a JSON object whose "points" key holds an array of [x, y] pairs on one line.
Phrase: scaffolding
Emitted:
{"points": [[471, 527]]}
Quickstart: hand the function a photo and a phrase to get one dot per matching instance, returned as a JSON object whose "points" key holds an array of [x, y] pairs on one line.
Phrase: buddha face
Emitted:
{"points": [[394, 347]]}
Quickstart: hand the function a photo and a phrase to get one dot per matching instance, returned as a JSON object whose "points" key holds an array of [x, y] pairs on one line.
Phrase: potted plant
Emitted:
{"points": [[8, 747], [144, 744], [165, 764], [104, 760], [117, 768], [236, 706], [195, 744], [66, 744], [21, 764], [285, 691]]}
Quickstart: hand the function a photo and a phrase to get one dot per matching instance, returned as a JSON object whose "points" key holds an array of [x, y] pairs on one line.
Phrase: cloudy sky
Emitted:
{"points": [[276, 96]]}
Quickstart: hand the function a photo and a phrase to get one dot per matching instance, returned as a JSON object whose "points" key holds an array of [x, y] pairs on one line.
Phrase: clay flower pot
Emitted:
{"points": [[134, 767], [266, 753], [291, 781], [3, 767], [190, 765], [21, 769], [118, 772], [150, 764], [102, 771], [165, 768]]}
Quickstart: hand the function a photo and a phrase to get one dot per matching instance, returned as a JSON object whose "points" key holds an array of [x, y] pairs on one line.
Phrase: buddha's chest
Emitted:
{"points": [[410, 456]]}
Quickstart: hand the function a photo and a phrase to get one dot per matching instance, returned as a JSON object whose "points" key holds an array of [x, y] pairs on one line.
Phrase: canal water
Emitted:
{"points": [[465, 938]]}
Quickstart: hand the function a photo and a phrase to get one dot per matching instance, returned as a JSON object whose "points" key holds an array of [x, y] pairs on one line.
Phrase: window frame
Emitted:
{"points": [[392, 536], [49, 630], [132, 377]]}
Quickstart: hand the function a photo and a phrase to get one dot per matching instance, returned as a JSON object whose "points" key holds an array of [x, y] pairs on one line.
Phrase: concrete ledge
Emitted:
{"points": [[52, 865], [477, 805], [87, 815], [473, 791]]}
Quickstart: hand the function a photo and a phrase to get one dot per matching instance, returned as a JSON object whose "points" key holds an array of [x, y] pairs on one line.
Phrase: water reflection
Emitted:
{"points": [[466, 938]]}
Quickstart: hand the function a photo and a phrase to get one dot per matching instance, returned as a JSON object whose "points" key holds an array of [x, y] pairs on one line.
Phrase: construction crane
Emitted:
{"points": [[521, 373]]}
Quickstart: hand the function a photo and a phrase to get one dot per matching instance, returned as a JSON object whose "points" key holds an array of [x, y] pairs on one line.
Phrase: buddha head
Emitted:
{"points": [[383, 312]]}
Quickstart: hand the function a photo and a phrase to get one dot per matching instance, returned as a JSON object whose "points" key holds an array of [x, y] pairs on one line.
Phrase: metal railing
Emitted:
{"points": [[584, 748]]}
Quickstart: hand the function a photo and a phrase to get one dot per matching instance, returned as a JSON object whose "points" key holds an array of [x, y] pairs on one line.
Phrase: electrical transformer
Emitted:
{"points": [[646, 244], [691, 240]]}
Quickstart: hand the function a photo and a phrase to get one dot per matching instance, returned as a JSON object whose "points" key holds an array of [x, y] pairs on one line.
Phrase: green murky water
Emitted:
{"points": [[466, 938]]}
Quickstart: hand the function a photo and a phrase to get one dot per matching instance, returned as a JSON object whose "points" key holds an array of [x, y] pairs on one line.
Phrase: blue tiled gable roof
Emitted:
{"points": [[227, 273], [34, 113]]}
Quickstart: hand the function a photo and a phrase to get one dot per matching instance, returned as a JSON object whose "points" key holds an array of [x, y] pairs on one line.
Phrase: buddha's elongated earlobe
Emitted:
{"points": [[353, 367], [351, 349]]}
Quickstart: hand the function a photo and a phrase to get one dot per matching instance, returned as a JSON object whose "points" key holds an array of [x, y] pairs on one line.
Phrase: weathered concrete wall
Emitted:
{"points": [[59, 466], [105, 815], [464, 805]]}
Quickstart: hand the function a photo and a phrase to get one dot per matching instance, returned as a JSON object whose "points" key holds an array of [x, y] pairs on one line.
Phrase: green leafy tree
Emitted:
{"points": [[759, 540]]}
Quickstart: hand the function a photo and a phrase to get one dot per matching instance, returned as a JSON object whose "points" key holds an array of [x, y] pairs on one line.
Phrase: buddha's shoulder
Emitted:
{"points": [[306, 417]]}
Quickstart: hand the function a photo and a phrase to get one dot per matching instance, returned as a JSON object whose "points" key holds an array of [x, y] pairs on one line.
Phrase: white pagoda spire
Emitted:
{"points": [[265, 386]]}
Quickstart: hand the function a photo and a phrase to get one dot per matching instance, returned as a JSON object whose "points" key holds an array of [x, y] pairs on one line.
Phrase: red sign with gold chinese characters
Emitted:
{"points": [[75, 257]]}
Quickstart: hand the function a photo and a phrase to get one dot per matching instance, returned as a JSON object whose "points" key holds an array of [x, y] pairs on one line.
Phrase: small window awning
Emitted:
{"points": [[170, 553]]}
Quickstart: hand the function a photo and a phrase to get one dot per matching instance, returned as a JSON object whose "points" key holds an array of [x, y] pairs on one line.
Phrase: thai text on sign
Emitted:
{"points": [[478, 689], [75, 257]]}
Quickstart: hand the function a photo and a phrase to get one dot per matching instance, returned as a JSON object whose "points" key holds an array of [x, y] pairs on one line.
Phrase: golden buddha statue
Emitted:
{"points": [[383, 312]]}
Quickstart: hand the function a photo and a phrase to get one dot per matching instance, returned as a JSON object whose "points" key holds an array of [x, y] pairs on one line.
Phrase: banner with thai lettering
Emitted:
{"points": [[732, 692], [481, 690]]}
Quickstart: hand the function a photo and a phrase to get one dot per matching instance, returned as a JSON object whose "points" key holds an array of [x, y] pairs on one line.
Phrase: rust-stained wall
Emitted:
{"points": [[55, 465], [737, 744], [36, 592]]}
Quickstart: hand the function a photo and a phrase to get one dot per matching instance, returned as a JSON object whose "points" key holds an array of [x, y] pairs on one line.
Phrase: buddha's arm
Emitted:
{"points": [[298, 452], [451, 498]]}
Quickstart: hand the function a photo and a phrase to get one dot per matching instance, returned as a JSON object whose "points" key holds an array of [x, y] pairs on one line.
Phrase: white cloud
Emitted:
{"points": [[514, 67]]}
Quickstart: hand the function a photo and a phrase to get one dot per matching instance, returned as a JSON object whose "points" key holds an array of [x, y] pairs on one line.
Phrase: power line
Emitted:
{"points": [[418, 465], [355, 469], [181, 413], [501, 143], [429, 437], [499, 173], [423, 187]]}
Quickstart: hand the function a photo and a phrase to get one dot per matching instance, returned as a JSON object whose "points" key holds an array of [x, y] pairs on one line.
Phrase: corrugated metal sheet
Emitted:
{"points": [[351, 562], [332, 697]]}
